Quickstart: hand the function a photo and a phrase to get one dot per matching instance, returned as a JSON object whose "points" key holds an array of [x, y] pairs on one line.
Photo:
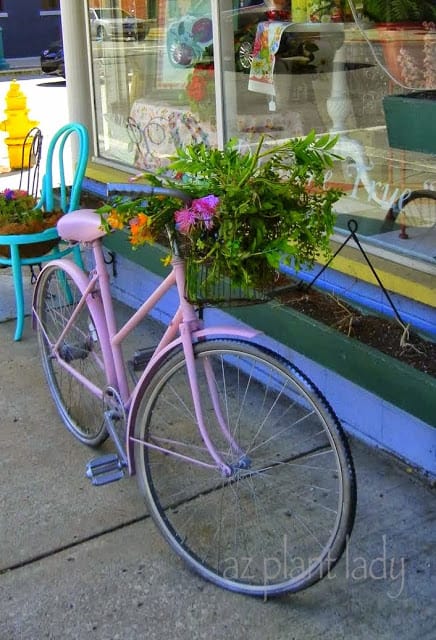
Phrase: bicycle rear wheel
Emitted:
{"points": [[56, 300], [280, 522]]}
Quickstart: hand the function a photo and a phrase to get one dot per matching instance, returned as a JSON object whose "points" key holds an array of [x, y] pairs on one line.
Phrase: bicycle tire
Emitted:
{"points": [[281, 523], [56, 299], [415, 212]]}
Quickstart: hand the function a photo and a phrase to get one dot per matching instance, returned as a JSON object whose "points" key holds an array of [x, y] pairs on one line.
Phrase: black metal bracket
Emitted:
{"points": [[353, 227], [113, 261]]}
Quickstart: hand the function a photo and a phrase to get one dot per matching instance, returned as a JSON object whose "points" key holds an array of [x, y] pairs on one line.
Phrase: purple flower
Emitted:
{"points": [[9, 194], [207, 220], [205, 209], [206, 205]]}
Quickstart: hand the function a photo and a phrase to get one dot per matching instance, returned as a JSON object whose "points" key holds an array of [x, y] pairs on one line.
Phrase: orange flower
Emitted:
{"points": [[140, 230], [114, 220]]}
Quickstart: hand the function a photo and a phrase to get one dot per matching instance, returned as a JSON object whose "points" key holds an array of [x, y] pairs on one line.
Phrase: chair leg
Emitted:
{"points": [[19, 291]]}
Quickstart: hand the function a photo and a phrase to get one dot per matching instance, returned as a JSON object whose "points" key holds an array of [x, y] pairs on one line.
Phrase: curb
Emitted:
{"points": [[20, 72]]}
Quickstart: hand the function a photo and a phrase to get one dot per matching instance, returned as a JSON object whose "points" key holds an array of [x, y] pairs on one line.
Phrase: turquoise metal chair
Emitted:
{"points": [[62, 197]]}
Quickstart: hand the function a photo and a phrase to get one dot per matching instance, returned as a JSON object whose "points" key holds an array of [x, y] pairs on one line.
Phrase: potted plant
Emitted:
{"points": [[18, 216], [250, 210], [399, 11]]}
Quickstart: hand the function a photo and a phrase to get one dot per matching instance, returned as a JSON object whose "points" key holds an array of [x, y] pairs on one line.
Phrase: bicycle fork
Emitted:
{"points": [[225, 469]]}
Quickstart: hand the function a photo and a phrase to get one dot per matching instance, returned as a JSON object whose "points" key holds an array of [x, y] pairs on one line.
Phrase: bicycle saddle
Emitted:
{"points": [[83, 225]]}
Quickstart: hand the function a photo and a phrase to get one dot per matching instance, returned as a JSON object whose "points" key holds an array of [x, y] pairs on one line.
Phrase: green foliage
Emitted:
{"points": [[17, 207], [272, 205], [400, 10]]}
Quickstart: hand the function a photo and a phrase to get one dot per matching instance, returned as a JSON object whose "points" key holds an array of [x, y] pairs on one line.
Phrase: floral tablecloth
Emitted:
{"points": [[156, 130]]}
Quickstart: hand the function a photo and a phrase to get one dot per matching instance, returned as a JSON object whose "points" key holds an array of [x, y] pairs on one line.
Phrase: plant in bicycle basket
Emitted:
{"points": [[249, 211]]}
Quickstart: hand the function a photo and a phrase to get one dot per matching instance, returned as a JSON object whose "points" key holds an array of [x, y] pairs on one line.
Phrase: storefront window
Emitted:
{"points": [[280, 71], [329, 67]]}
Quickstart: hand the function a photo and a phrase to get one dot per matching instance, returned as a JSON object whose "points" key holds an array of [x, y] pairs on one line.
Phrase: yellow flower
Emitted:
{"points": [[167, 260], [114, 220]]}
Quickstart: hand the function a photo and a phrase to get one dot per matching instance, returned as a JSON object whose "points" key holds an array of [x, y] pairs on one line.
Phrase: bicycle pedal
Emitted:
{"points": [[105, 469]]}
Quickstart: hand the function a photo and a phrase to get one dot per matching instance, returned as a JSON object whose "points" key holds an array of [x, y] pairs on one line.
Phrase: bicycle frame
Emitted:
{"points": [[184, 330]]}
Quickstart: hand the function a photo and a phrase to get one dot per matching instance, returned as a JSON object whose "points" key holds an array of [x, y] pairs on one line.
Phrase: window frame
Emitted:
{"points": [[46, 9]]}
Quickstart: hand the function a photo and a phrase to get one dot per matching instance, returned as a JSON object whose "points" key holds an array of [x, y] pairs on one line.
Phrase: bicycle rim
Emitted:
{"points": [[417, 213], [280, 522], [81, 411]]}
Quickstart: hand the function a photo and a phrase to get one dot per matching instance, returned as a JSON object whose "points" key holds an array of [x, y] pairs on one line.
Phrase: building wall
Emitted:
{"points": [[26, 28]]}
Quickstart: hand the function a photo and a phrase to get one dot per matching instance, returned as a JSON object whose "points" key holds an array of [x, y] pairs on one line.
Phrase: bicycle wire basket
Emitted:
{"points": [[208, 285]]}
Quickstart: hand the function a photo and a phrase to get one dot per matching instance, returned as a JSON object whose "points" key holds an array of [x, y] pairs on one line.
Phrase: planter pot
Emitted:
{"points": [[397, 38], [388, 378], [411, 121], [34, 249]]}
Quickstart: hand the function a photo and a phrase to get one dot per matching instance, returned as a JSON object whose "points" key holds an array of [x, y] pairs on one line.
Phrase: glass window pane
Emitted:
{"points": [[153, 80]]}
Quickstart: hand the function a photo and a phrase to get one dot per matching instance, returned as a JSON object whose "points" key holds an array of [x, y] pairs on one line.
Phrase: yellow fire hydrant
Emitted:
{"points": [[17, 125]]}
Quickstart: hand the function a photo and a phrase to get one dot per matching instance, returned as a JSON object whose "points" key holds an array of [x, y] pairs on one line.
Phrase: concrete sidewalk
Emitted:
{"points": [[83, 562]]}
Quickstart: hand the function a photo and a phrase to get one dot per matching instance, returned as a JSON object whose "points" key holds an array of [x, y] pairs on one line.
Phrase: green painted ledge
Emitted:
{"points": [[390, 379], [398, 383], [148, 256]]}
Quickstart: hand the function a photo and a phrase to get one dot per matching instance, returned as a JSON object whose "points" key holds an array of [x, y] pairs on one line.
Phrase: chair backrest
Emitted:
{"points": [[69, 195], [31, 161]]}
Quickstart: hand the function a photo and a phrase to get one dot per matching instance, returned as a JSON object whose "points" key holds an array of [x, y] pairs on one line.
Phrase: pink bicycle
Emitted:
{"points": [[243, 465]]}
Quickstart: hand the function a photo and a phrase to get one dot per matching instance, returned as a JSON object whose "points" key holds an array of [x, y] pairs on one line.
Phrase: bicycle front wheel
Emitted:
{"points": [[81, 409], [280, 521]]}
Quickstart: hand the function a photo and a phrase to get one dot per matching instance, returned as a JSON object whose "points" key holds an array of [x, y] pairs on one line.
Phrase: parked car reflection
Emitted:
{"points": [[114, 23], [52, 59]]}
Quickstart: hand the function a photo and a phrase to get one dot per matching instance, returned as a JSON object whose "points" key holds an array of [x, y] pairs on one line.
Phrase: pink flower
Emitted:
{"points": [[205, 209], [207, 204], [202, 210], [185, 219]]}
